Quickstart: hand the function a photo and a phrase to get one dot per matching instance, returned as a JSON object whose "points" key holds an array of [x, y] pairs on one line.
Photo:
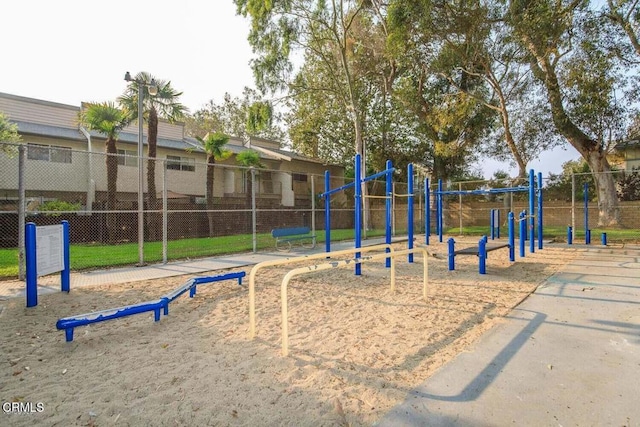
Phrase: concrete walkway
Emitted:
{"points": [[569, 355], [49, 284]]}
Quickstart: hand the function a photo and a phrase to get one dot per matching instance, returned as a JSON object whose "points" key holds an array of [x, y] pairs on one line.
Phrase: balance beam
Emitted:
{"points": [[69, 323]]}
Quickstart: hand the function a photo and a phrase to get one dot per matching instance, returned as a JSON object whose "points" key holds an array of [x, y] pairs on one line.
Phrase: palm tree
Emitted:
{"points": [[109, 120], [213, 144], [251, 159], [164, 104]]}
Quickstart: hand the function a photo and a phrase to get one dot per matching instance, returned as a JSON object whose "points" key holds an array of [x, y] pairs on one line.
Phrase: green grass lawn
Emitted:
{"points": [[94, 256]]}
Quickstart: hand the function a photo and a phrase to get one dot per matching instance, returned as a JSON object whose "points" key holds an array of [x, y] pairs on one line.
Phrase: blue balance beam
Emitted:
{"points": [[69, 323]]}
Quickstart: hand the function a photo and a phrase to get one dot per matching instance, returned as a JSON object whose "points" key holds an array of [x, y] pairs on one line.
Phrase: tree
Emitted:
{"points": [[106, 118], [237, 116], [8, 132], [164, 104], [575, 173], [450, 121], [213, 144], [318, 28], [249, 159], [624, 14], [580, 83]]}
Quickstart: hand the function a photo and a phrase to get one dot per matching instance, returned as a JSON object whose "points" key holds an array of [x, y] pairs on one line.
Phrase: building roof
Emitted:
{"points": [[629, 143], [37, 129], [267, 149]]}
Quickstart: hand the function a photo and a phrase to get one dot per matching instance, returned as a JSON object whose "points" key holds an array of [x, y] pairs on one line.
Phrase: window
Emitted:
{"points": [[49, 153], [181, 163], [127, 158], [300, 177]]}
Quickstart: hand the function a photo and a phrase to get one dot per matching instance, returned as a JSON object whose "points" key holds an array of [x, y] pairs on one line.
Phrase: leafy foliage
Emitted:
{"points": [[629, 186], [58, 206], [250, 114], [249, 158], [8, 130]]}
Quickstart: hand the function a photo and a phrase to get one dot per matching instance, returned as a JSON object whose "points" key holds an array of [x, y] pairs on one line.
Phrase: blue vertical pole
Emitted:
{"points": [[512, 240], [540, 233], [452, 256], [31, 264], [569, 235], [587, 233], [327, 211], [427, 212], [65, 274], [498, 223], [523, 232], [358, 211], [389, 191], [532, 210], [439, 210], [410, 210], [482, 255]]}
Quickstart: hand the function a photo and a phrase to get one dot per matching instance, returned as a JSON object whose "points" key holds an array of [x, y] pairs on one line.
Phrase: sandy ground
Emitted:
{"points": [[356, 348]]}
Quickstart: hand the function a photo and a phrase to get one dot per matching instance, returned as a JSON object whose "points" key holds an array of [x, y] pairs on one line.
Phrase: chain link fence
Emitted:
{"points": [[45, 185], [568, 201]]}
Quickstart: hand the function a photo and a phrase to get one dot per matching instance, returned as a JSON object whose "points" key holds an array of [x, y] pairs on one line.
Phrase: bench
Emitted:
{"points": [[288, 235], [69, 323], [480, 251]]}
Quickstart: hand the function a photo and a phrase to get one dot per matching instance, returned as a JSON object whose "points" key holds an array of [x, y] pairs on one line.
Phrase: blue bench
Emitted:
{"points": [[288, 235], [69, 323]]}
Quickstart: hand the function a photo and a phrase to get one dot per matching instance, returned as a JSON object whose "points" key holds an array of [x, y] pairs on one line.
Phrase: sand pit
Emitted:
{"points": [[356, 349]]}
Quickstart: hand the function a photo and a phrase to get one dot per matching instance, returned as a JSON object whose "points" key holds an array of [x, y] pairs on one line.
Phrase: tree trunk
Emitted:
{"points": [[210, 177], [152, 144], [112, 179], [608, 207], [360, 149]]}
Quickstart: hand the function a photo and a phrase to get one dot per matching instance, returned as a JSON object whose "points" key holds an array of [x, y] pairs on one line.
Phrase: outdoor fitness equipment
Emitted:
{"points": [[357, 184], [531, 189]]}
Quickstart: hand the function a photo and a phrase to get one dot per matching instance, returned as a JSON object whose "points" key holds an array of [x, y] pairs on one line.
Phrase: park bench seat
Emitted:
{"points": [[288, 235]]}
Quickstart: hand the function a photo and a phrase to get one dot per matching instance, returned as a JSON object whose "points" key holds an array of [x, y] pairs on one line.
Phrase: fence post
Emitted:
{"points": [[573, 205], [460, 205], [164, 211], [313, 205], [22, 204], [410, 210], [427, 212], [523, 232], [393, 208], [253, 209]]}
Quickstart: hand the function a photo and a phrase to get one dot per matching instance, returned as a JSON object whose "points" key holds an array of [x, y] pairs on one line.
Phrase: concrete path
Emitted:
{"points": [[569, 355], [49, 284]]}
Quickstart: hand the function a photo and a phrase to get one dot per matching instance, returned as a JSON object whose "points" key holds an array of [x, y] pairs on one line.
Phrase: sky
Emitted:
{"points": [[74, 51]]}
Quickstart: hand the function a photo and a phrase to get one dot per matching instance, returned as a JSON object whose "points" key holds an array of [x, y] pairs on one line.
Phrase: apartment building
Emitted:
{"points": [[65, 161]]}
